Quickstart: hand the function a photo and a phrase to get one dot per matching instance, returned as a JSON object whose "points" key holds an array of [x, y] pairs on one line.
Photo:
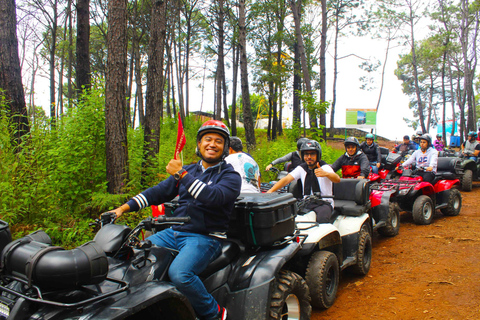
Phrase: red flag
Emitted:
{"points": [[181, 140]]}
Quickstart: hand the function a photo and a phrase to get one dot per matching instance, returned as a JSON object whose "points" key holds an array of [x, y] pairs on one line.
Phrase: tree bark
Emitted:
{"points": [[154, 103], [303, 57], [323, 69], [83, 45], [115, 102], [247, 110], [236, 58], [10, 72]]}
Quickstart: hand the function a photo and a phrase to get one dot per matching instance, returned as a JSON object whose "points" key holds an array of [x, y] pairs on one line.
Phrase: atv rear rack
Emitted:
{"points": [[391, 184], [123, 287]]}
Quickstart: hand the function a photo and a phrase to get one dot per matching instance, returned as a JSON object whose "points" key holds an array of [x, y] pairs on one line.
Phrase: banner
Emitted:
{"points": [[361, 118], [181, 139], [448, 127]]}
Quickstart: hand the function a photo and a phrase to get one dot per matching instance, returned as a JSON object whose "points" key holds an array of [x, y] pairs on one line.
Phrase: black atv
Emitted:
{"points": [[464, 169], [120, 276]]}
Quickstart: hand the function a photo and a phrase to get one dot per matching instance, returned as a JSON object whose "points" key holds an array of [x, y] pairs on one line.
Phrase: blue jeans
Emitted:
{"points": [[373, 165], [196, 251]]}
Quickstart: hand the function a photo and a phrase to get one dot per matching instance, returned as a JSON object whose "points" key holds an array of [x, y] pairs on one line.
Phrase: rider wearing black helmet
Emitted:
{"points": [[426, 158], [207, 192], [471, 147], [370, 148], [315, 176], [354, 163], [294, 157]]}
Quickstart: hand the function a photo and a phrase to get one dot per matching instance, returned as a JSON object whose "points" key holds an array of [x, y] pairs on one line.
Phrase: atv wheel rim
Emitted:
{"points": [[291, 309], [427, 211], [456, 203], [394, 221], [330, 284]]}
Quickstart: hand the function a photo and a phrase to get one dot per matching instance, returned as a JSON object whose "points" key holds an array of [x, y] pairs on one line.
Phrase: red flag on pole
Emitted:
{"points": [[181, 140]]}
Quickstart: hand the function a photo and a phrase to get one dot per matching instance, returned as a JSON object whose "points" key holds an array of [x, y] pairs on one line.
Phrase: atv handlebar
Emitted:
{"points": [[274, 169]]}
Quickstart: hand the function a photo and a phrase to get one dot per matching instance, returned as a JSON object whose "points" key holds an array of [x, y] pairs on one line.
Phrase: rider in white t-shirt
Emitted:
{"points": [[315, 176], [244, 164]]}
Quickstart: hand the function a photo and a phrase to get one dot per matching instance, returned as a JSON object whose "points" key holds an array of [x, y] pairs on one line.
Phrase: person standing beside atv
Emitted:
{"points": [[294, 157], [425, 158], [370, 148], [438, 144], [315, 176], [471, 147], [406, 146], [245, 165], [208, 190], [354, 163]]}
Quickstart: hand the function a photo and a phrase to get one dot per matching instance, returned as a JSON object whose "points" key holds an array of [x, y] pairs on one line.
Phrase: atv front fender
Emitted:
{"points": [[250, 284], [426, 188], [443, 185], [161, 299], [469, 164]]}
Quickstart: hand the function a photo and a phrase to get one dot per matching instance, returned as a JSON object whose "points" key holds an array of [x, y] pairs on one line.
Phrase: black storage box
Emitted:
{"points": [[261, 219], [5, 235]]}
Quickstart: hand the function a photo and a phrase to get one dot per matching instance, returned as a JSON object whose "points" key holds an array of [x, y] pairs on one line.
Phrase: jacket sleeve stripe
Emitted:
{"points": [[195, 194], [141, 201], [194, 186]]}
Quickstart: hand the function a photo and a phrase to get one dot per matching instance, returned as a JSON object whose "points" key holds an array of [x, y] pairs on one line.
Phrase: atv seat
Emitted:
{"points": [[384, 153], [351, 197], [446, 169], [230, 250]]}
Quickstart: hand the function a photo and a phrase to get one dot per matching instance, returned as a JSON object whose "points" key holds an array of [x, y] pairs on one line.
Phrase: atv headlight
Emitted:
{"points": [[403, 192]]}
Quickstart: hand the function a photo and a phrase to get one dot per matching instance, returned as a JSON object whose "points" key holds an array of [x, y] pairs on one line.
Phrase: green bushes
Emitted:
{"points": [[57, 180]]}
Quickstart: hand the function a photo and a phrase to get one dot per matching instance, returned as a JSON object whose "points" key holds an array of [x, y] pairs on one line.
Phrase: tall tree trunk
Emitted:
{"points": [[335, 75], [220, 59], [82, 69], [297, 85], [236, 57], [139, 86], [247, 110], [415, 71], [115, 103], [70, 53], [296, 7], [323, 69], [154, 103], [10, 72], [53, 48]]}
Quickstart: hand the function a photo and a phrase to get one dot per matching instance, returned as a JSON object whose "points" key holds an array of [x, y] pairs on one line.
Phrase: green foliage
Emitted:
{"points": [[57, 181]]}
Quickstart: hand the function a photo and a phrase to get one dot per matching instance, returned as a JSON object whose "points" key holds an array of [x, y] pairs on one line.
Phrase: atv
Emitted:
{"points": [[465, 169], [420, 198], [328, 248], [120, 276]]}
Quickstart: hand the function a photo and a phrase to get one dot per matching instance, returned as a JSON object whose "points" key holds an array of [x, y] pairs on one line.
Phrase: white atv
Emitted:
{"points": [[328, 248]]}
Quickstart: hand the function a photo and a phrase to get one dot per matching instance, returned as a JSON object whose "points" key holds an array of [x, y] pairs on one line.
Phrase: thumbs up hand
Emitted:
{"points": [[319, 172]]}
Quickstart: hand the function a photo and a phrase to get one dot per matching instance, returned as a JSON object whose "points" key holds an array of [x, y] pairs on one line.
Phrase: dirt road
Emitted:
{"points": [[426, 272]]}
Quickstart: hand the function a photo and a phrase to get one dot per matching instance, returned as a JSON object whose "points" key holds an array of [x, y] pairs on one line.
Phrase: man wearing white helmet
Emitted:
{"points": [[426, 157]]}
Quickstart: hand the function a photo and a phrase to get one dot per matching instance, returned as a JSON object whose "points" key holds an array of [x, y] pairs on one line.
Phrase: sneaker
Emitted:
{"points": [[222, 314]]}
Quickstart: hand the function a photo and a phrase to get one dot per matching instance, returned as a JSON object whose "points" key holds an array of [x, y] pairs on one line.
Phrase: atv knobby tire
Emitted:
{"points": [[423, 210], [364, 252], [290, 297], [392, 225], [323, 276], [467, 180], [454, 203]]}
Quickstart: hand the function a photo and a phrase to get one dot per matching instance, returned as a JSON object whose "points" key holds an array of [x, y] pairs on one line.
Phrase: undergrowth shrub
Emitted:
{"points": [[56, 180]]}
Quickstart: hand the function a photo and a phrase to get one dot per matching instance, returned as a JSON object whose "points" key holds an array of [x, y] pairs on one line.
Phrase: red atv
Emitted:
{"points": [[421, 198]]}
